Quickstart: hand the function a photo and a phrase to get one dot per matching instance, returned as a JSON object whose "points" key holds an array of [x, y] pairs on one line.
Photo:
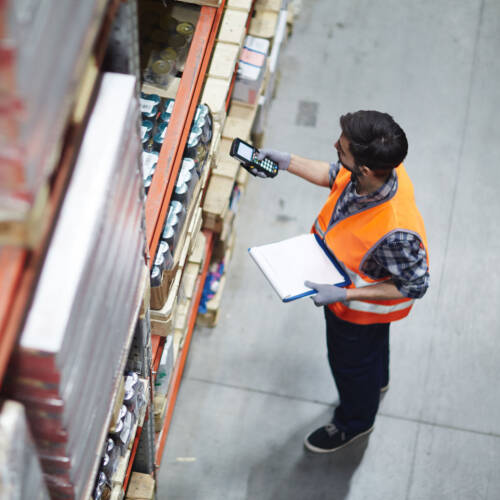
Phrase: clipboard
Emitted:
{"points": [[288, 263]]}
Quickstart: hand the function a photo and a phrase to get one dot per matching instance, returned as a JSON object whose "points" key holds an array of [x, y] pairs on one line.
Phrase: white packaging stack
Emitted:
{"points": [[77, 333], [44, 47], [251, 69], [20, 473]]}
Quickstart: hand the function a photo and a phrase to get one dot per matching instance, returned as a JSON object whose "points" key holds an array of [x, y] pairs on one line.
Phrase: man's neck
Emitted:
{"points": [[368, 185]]}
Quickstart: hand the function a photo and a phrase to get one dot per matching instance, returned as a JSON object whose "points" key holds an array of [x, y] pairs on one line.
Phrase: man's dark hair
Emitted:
{"points": [[376, 140]]}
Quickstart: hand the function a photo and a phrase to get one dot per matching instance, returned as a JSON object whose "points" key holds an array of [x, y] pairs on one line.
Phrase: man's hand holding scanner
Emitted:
{"points": [[282, 159], [327, 294]]}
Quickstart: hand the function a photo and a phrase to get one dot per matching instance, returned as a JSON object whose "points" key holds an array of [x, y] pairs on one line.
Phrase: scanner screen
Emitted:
{"points": [[245, 151]]}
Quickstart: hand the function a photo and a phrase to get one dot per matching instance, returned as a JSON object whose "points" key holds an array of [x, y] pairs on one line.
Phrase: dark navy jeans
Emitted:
{"points": [[359, 360]]}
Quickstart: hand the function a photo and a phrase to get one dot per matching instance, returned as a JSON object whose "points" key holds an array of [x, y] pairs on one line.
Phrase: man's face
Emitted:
{"points": [[345, 156]]}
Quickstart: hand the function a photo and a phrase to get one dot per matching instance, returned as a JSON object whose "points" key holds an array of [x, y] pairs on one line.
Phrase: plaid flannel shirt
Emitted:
{"points": [[400, 255]]}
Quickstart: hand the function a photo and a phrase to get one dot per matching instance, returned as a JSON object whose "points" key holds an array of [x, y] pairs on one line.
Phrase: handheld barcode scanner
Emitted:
{"points": [[247, 155]]}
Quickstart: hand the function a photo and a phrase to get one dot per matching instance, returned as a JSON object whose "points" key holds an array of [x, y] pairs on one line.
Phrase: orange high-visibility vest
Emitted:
{"points": [[352, 239]]}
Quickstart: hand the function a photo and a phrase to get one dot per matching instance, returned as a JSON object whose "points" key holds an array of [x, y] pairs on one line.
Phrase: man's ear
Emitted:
{"points": [[364, 170]]}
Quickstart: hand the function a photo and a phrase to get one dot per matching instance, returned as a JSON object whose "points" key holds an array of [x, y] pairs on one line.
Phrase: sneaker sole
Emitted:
{"points": [[315, 449]]}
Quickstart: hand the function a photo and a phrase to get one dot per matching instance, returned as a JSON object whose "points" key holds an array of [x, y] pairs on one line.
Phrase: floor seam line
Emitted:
{"points": [[260, 391], [450, 222], [462, 141], [324, 403]]}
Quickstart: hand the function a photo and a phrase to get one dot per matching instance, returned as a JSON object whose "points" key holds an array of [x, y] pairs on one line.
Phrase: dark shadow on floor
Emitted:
{"points": [[290, 472]]}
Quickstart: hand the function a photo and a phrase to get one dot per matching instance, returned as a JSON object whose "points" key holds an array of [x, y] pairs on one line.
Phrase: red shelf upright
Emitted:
{"points": [[186, 101]]}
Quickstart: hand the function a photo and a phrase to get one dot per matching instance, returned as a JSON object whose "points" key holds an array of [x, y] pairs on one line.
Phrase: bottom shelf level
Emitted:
{"points": [[158, 343]]}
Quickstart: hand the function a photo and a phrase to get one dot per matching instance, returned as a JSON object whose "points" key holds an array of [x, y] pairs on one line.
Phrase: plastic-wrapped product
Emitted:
{"points": [[146, 134], [40, 68], [155, 276], [149, 162], [150, 106], [176, 208], [101, 248], [159, 71], [159, 137], [20, 472]]}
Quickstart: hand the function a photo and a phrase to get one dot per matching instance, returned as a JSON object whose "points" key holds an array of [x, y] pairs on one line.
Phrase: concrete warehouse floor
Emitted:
{"points": [[256, 384]]}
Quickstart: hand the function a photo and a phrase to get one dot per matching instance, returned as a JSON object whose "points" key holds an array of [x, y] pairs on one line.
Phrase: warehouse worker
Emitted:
{"points": [[370, 222]]}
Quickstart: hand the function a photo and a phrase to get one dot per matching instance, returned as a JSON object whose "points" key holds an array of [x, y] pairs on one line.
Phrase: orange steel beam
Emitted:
{"points": [[179, 367], [231, 87], [186, 100], [157, 350], [12, 262]]}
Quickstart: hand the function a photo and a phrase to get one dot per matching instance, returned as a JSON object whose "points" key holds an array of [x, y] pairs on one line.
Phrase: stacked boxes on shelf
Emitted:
{"points": [[225, 56], [270, 23], [73, 349], [21, 473], [228, 180], [41, 65]]}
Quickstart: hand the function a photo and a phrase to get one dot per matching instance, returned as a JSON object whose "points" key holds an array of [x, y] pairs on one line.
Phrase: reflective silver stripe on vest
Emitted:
{"points": [[318, 229], [357, 305], [357, 280]]}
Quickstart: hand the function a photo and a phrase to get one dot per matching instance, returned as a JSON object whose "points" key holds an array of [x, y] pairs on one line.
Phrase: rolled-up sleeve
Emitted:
{"points": [[402, 256], [332, 173]]}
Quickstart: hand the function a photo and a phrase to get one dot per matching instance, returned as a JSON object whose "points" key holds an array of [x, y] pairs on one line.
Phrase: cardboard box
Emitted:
{"points": [[251, 70]]}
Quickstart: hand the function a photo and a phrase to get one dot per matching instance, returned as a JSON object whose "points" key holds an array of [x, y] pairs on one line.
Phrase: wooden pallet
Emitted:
{"points": [[273, 5], [214, 95], [181, 323], [233, 27], [162, 321], [216, 203], [199, 250], [160, 409], [224, 60], [240, 120], [141, 487], [121, 471], [244, 5], [26, 229], [264, 24], [117, 493]]}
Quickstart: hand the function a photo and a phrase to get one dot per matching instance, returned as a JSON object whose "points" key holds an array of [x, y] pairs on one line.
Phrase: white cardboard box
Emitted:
{"points": [[251, 69]]}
